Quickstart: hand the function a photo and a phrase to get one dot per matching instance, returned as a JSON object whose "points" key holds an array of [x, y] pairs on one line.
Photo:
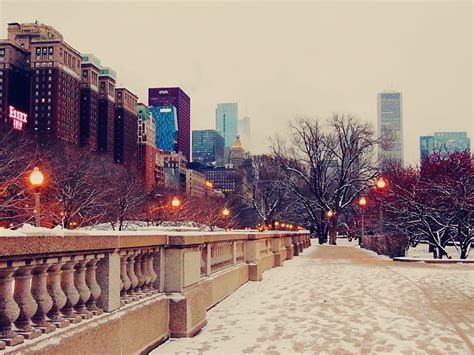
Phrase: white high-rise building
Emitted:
{"points": [[226, 122], [390, 126]]}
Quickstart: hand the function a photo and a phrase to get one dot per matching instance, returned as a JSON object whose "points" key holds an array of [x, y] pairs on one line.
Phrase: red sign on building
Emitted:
{"points": [[19, 118]]}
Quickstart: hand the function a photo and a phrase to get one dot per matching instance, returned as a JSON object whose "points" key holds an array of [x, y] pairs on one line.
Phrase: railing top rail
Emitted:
{"points": [[34, 245]]}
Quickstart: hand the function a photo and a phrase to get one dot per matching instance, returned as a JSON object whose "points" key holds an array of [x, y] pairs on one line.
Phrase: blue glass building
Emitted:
{"points": [[166, 127], [227, 122], [426, 146], [208, 147]]}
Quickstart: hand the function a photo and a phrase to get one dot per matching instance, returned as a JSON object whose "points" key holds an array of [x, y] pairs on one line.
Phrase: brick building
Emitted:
{"points": [[106, 111], [125, 128]]}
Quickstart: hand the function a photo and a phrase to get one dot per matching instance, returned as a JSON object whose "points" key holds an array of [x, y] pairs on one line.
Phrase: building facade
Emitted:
{"points": [[166, 135], [14, 83], [146, 149], [237, 154], [426, 146], [159, 97], [195, 183], [208, 147], [444, 142], [55, 82], [222, 179], [106, 111], [89, 104], [227, 121], [390, 126], [125, 128], [174, 168]]}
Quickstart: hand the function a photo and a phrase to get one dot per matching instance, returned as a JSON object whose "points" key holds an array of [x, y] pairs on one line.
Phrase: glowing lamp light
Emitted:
{"points": [[330, 213], [36, 177], [225, 212], [175, 202], [277, 224], [362, 201], [381, 183]]}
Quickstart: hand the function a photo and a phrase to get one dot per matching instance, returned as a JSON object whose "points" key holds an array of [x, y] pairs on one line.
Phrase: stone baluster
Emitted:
{"points": [[25, 301], [145, 272], [131, 275], [72, 295], [94, 287], [2, 345], [82, 288], [139, 273], [9, 310], [151, 269], [56, 293], [39, 290], [125, 280]]}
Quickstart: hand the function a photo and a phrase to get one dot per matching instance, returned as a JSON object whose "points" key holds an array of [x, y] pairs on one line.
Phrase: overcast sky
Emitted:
{"points": [[282, 59]]}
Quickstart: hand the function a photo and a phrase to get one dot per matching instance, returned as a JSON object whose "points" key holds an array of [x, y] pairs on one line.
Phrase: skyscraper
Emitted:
{"points": [[146, 152], [125, 127], [226, 122], [390, 126], [245, 132], [208, 147], [174, 97], [106, 120], [55, 81], [89, 111], [166, 118], [14, 82]]}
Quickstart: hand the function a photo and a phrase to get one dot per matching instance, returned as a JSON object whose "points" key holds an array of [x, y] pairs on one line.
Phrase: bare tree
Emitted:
{"points": [[326, 167], [262, 190], [127, 201], [17, 156], [77, 186]]}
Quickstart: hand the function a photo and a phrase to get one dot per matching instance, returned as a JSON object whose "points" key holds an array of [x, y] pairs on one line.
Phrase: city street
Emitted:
{"points": [[340, 300]]}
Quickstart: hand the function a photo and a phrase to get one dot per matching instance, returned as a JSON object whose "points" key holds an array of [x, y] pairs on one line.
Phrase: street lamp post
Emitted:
{"points": [[36, 179], [362, 204], [225, 214], [381, 185]]}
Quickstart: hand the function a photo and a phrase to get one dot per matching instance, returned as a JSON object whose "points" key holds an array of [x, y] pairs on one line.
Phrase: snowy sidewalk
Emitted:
{"points": [[341, 300]]}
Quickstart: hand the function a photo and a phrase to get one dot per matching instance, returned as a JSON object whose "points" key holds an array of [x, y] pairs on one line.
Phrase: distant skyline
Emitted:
{"points": [[284, 59]]}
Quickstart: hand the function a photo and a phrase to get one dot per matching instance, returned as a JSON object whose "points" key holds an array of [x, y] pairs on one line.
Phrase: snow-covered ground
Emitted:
{"points": [[421, 252], [343, 300]]}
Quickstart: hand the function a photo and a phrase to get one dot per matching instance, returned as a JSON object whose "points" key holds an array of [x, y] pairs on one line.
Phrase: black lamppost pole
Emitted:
{"points": [[36, 179]]}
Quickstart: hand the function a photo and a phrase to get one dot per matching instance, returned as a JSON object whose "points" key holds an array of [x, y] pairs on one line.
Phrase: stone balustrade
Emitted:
{"points": [[117, 283]]}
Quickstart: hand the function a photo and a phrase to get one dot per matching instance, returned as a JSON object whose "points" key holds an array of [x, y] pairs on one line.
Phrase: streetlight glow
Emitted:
{"points": [[381, 183], [362, 201], [330, 213], [175, 202], [36, 177], [226, 212]]}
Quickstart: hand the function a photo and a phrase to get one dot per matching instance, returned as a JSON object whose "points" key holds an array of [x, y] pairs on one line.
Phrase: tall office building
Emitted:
{"points": [[55, 81], [444, 142], [146, 150], [208, 147], [166, 136], [14, 84], [125, 128], [245, 132], [106, 119], [226, 122], [89, 105], [160, 97], [390, 126]]}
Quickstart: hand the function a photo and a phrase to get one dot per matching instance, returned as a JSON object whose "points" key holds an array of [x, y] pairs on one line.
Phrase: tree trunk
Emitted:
{"points": [[333, 230]]}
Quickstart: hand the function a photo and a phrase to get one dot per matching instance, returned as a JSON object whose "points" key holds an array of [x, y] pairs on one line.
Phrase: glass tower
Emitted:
{"points": [[227, 121], [166, 127], [390, 126], [208, 147]]}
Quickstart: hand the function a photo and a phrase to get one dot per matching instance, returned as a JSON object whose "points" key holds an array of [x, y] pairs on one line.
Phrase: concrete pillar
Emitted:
{"points": [[108, 277]]}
